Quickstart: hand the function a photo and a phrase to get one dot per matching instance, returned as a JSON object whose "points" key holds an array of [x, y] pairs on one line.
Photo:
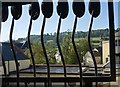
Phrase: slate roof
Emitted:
{"points": [[22, 45], [8, 54]]}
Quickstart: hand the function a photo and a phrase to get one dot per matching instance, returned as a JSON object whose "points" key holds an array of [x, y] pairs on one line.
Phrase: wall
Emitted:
{"points": [[105, 51], [117, 45], [23, 64]]}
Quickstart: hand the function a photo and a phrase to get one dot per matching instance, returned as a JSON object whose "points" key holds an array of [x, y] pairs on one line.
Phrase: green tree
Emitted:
{"points": [[68, 50], [51, 51], [37, 53], [66, 47], [82, 48]]}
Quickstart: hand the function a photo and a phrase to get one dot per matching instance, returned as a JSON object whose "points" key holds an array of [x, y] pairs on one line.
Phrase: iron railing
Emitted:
{"points": [[62, 10]]}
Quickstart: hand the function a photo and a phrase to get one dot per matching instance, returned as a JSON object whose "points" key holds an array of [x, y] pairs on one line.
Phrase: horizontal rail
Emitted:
{"points": [[58, 79], [15, 3], [48, 76]]}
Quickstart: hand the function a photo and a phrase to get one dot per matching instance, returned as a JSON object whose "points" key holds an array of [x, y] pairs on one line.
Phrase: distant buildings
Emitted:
{"points": [[105, 52], [105, 49], [58, 57], [23, 60], [117, 46], [87, 59]]}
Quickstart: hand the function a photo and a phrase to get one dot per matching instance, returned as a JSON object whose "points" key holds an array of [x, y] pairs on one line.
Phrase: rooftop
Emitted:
{"points": [[8, 54]]}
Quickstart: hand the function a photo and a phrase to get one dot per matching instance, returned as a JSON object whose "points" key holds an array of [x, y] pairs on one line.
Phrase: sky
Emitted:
{"points": [[21, 25]]}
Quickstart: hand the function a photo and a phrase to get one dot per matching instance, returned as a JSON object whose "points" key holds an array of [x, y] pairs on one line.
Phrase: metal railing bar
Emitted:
{"points": [[112, 39], [14, 3], [59, 79], [30, 49], [13, 51], [90, 47], [75, 49], [59, 48], [44, 50], [4, 68], [81, 76]]}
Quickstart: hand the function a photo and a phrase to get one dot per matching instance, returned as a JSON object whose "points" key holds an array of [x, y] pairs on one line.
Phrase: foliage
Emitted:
{"points": [[51, 51], [79, 34], [68, 50], [39, 54], [82, 47]]}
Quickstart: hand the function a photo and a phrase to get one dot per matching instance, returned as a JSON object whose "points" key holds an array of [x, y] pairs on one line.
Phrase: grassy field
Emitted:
{"points": [[96, 38], [92, 39]]}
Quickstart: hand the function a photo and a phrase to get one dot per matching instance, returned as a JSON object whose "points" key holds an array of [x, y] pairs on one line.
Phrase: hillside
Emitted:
{"points": [[100, 33]]}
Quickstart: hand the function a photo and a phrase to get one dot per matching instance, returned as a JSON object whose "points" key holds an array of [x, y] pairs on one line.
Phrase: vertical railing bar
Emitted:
{"points": [[90, 47], [14, 55], [30, 49], [44, 50], [59, 48], [75, 49], [112, 39], [4, 67]]}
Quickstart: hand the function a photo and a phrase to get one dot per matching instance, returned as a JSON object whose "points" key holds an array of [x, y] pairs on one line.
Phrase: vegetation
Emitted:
{"points": [[67, 50], [66, 45], [39, 54], [101, 33]]}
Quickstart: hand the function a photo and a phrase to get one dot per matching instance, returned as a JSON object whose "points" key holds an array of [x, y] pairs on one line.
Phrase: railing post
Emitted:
{"points": [[87, 84]]}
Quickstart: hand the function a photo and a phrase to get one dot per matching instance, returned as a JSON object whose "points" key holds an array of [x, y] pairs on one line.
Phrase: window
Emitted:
{"points": [[115, 42], [118, 42], [106, 60]]}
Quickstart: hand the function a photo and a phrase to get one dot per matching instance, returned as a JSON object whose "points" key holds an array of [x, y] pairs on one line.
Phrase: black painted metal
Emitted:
{"points": [[12, 47], [60, 79], [112, 39], [47, 10], [94, 10], [30, 49], [59, 48], [45, 53], [4, 18], [90, 47], [4, 67], [62, 10], [34, 12], [5, 71], [96, 77], [15, 3], [79, 10], [76, 52], [4, 13]]}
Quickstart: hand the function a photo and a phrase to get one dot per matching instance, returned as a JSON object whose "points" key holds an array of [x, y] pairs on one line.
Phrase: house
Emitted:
{"points": [[58, 57], [117, 45], [23, 60], [105, 48], [105, 51], [88, 57]]}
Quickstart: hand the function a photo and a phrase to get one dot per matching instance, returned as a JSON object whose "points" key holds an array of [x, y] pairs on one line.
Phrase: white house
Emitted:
{"points": [[23, 60], [58, 57], [88, 57]]}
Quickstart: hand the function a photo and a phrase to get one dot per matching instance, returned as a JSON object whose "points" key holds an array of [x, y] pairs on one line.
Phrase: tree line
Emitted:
{"points": [[66, 46], [67, 50], [103, 33]]}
